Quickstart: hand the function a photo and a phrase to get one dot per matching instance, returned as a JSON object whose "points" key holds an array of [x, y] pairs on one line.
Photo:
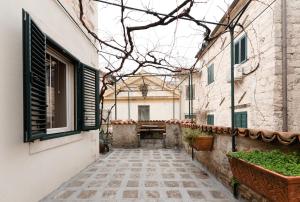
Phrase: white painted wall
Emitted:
{"points": [[28, 172], [159, 109]]}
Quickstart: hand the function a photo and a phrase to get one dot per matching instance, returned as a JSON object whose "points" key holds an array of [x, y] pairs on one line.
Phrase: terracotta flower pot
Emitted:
{"points": [[203, 143], [271, 185]]}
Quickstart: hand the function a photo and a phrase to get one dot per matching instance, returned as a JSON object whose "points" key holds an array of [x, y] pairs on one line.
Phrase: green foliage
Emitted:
{"points": [[285, 164], [191, 134]]}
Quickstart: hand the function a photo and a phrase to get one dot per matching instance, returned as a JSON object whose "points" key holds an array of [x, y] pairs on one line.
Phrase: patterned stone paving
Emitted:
{"points": [[142, 175]]}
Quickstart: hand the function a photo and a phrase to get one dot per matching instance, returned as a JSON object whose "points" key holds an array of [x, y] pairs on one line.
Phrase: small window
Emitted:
{"points": [[192, 116], [144, 112], [240, 50], [241, 120], [210, 74], [187, 92], [210, 119]]}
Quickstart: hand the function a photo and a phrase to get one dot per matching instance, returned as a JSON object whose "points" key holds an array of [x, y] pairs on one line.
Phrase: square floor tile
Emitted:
{"points": [[130, 194], [87, 194], [175, 194], [132, 183], [196, 194]]}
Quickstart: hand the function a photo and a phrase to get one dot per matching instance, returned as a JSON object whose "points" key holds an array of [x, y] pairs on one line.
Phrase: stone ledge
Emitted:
{"points": [[285, 138]]}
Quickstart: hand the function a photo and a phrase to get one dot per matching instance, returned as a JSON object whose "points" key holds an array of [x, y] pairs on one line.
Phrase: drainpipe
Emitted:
{"points": [[116, 116], [233, 134], [284, 65], [128, 101], [180, 107], [192, 97]]}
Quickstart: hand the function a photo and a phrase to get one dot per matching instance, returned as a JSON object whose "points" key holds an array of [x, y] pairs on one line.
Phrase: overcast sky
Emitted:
{"points": [[181, 39]]}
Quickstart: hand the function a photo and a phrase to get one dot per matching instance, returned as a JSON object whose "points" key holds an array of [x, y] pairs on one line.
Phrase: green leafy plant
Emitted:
{"points": [[191, 134], [287, 164]]}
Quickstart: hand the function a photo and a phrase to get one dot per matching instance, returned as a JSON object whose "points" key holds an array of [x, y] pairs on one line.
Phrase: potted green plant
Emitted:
{"points": [[273, 174], [199, 140]]}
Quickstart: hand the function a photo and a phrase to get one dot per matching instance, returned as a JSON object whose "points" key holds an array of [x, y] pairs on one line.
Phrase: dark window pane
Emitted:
{"points": [[210, 74], [243, 49], [56, 93], [237, 53], [210, 119]]}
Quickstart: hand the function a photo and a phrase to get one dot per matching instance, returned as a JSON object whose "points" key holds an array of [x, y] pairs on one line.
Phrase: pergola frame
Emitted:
{"points": [[187, 75]]}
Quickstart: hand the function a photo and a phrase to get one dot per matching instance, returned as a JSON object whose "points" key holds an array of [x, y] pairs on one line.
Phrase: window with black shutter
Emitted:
{"points": [[210, 119], [240, 50], [241, 119], [90, 97], [61, 95], [34, 48]]}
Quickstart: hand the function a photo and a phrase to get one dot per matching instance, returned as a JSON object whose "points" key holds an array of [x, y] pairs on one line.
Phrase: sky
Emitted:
{"points": [[180, 41]]}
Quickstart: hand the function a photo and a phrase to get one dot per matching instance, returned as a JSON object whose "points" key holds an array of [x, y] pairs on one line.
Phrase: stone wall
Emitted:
{"points": [[293, 64], [258, 93], [173, 136], [125, 136], [216, 161]]}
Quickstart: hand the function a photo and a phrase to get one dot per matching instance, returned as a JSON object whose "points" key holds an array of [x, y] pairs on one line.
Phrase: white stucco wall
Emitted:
{"points": [[30, 171], [159, 109]]}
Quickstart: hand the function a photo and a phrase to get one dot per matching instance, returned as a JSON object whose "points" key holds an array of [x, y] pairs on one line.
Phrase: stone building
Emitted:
{"points": [[260, 66], [46, 137]]}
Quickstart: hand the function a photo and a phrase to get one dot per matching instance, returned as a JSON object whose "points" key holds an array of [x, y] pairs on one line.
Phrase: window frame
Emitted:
{"points": [[211, 119], [238, 117], [239, 43], [70, 94], [187, 92], [76, 64], [139, 114], [210, 74]]}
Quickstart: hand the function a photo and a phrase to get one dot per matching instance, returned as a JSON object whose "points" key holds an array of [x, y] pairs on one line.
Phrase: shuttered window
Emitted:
{"points": [[34, 47], [90, 98], [210, 74], [36, 111], [210, 119], [241, 120], [240, 50]]}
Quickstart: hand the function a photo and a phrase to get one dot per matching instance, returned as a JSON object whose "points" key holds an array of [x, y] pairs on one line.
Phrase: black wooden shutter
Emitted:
{"points": [[89, 102], [34, 78]]}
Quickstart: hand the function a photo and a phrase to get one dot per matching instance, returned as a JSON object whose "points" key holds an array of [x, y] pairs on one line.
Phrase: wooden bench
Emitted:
{"points": [[151, 130]]}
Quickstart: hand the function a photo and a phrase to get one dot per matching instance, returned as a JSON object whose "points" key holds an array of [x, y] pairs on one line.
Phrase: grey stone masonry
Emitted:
{"points": [[142, 175]]}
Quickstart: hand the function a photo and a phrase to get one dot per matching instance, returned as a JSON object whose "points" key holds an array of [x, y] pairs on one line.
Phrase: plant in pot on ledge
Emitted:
{"points": [[199, 140], [273, 174]]}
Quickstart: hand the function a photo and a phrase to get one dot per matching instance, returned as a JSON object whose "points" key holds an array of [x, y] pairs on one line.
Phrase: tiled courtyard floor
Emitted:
{"points": [[142, 175]]}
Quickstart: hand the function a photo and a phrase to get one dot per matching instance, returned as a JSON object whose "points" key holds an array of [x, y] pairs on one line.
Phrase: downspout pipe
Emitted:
{"points": [[284, 66]]}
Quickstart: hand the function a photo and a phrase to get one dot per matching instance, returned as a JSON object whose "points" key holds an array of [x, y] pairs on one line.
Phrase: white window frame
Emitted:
{"points": [[70, 95]]}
